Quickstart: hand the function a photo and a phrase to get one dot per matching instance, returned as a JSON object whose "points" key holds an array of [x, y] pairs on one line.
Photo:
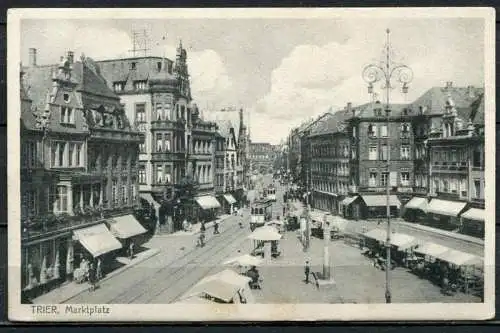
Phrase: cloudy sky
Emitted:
{"points": [[281, 71]]}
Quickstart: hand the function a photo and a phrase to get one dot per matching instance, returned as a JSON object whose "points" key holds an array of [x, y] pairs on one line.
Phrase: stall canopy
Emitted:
{"points": [[349, 200], [403, 241], [244, 260], [149, 198], [417, 203], [230, 199], [445, 207], [125, 227], [265, 233], [97, 240], [432, 249], [207, 202], [474, 214], [460, 258], [380, 200], [377, 234]]}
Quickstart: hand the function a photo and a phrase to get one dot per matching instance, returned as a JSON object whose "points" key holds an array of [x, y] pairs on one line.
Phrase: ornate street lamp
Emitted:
{"points": [[388, 72]]}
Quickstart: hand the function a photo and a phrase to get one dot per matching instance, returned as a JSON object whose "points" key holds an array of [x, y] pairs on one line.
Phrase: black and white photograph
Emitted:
{"points": [[252, 164]]}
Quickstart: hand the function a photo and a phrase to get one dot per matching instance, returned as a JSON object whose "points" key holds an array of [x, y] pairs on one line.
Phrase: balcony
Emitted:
{"points": [[200, 156], [420, 190], [478, 202], [459, 167], [405, 189], [166, 125], [448, 195], [168, 156], [50, 224]]}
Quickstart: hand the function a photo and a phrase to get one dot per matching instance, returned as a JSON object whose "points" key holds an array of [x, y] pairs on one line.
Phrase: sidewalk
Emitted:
{"points": [[196, 227], [70, 289]]}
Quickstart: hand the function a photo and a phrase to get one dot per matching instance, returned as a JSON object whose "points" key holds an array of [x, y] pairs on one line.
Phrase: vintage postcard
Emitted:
{"points": [[251, 164]]}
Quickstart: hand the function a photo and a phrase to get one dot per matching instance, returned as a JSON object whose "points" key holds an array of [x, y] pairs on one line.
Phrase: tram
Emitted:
{"points": [[270, 193], [260, 213]]}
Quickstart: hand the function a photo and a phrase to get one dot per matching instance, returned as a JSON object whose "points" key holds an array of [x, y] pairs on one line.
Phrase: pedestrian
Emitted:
{"points": [[202, 228], [216, 227], [307, 271], [99, 269], [131, 251], [92, 275]]}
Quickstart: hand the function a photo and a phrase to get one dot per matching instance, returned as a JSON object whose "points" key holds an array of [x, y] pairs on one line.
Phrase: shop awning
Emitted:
{"points": [[376, 234], [460, 258], [445, 207], [432, 249], [149, 198], [126, 226], [207, 202], [474, 214], [230, 199], [97, 240], [380, 200], [417, 203], [347, 201]]}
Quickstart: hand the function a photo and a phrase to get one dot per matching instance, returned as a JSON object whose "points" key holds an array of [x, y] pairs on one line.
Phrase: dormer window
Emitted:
{"points": [[67, 115], [66, 98], [118, 86], [140, 85]]}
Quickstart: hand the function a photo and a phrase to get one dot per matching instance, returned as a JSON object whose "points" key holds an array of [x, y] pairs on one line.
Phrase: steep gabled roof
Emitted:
{"points": [[433, 101], [332, 124]]}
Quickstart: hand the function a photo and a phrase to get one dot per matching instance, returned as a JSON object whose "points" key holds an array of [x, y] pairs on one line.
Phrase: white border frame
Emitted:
{"points": [[261, 312]]}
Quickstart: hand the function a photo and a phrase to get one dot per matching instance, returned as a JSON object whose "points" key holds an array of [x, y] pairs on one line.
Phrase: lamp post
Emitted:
{"points": [[387, 71]]}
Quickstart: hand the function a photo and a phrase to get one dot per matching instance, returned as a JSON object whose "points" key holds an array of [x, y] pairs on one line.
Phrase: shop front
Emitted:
{"points": [[230, 203], [473, 222], [351, 208], [209, 207], [375, 206], [128, 231], [415, 210], [444, 214]]}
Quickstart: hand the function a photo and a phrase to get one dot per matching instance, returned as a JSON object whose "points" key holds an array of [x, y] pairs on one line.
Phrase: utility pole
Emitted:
{"points": [[326, 248]]}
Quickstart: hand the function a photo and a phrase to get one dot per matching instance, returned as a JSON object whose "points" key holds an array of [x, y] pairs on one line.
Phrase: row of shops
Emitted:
{"points": [[49, 261], [446, 214], [369, 206]]}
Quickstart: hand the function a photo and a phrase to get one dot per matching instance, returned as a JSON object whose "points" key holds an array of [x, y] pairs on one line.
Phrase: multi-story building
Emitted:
{"points": [[262, 156], [456, 169], [330, 157], [231, 182], [156, 94], [220, 154], [78, 172], [427, 112]]}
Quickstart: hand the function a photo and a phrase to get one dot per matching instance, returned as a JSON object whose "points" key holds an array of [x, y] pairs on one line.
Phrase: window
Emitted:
{"points": [[383, 131], [142, 147], [463, 187], [159, 142], [140, 85], [61, 200], [142, 174], [66, 98], [78, 152], [405, 152], [453, 185], [384, 178], [445, 186], [118, 86], [29, 154], [372, 130], [71, 154], [159, 174], [133, 65], [159, 112], [405, 129], [67, 115], [405, 178], [383, 153], [477, 189], [476, 158], [436, 186], [140, 113], [158, 66], [58, 149], [123, 192], [372, 153], [373, 179]]}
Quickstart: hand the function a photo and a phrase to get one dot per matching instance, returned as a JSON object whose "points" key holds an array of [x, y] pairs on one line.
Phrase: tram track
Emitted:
{"points": [[179, 267]]}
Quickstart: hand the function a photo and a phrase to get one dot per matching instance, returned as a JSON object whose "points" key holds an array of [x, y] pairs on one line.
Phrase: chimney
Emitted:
{"points": [[32, 57], [71, 56], [449, 84]]}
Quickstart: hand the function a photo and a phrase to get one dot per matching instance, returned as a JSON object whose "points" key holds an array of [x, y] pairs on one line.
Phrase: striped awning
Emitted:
{"points": [[445, 207], [347, 201], [149, 198], [229, 198], [97, 240], [207, 202], [125, 227], [417, 203], [474, 214], [380, 200]]}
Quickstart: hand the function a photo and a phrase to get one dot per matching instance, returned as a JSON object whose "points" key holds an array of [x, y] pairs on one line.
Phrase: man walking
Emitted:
{"points": [[307, 270]]}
